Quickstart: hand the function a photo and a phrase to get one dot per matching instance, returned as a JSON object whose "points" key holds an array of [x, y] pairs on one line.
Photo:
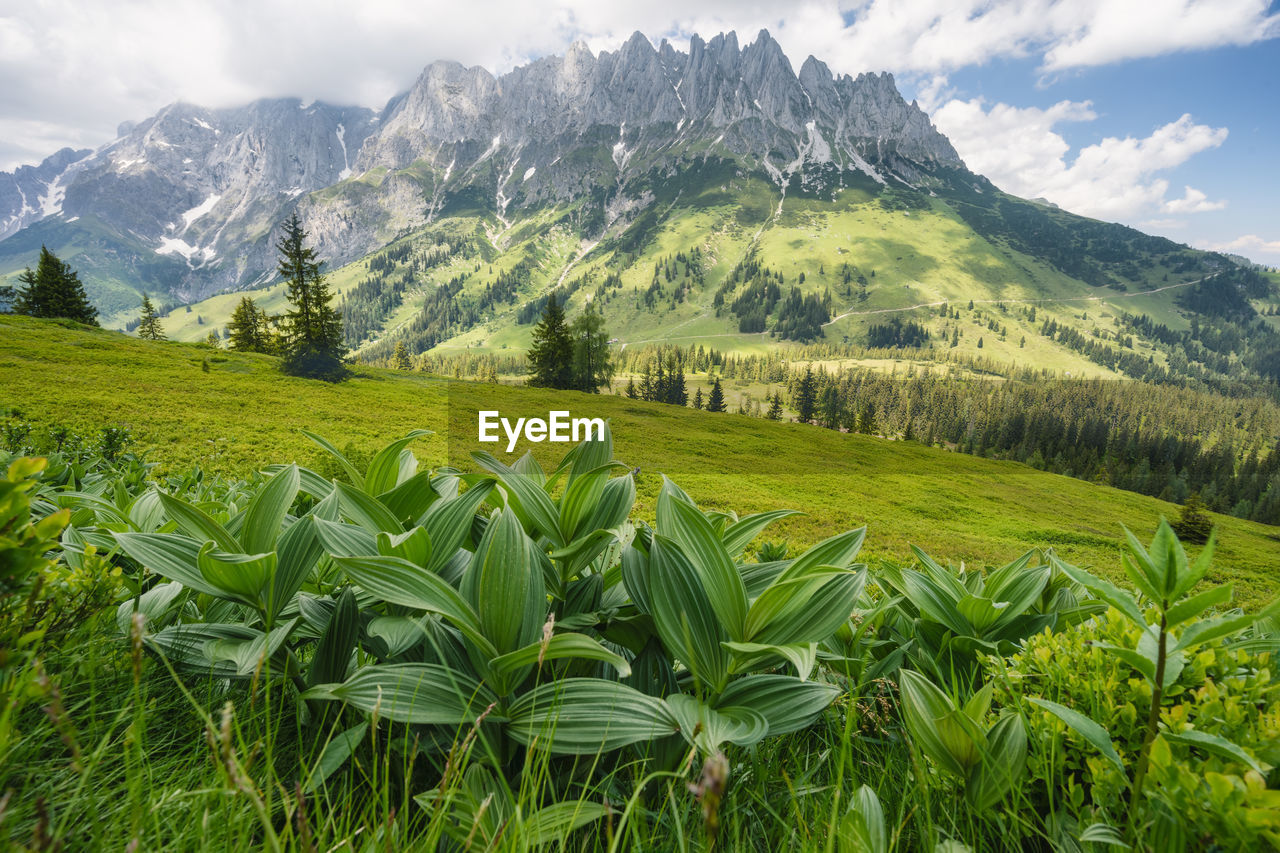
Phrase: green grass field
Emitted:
{"points": [[243, 413]]}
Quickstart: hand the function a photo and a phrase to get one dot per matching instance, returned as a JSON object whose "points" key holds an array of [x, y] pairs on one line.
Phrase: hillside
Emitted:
{"points": [[722, 197], [242, 413]]}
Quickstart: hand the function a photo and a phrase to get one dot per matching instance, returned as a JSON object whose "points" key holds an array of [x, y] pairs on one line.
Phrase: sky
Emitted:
{"points": [[1163, 114]]}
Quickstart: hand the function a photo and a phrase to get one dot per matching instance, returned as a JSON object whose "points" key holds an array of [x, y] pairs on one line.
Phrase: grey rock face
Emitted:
{"points": [[207, 186]]}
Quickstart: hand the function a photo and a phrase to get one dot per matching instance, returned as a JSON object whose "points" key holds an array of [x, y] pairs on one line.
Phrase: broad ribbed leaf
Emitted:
{"points": [[146, 513], [1094, 734], [352, 474], [614, 506], [739, 535], [505, 585], [413, 546], [399, 582], [566, 645], [400, 633], [532, 506], [449, 521], [749, 655], [935, 601], [297, 551], [685, 524], [169, 555], [811, 609], [635, 577], [1223, 626], [838, 552], [195, 523], [939, 729], [862, 830], [707, 728], [152, 604], [361, 509], [393, 464], [580, 499], [333, 653], [345, 540], [412, 693], [266, 512], [242, 576], [684, 616], [410, 500], [787, 704], [557, 821], [582, 716], [1002, 764]]}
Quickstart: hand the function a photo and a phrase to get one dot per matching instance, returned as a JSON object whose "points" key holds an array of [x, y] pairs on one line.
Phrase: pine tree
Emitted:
{"points": [[631, 388], [697, 399], [551, 353], [313, 345], [775, 408], [806, 396], [53, 290], [401, 356], [1194, 524], [149, 328], [715, 402], [248, 328], [592, 366]]}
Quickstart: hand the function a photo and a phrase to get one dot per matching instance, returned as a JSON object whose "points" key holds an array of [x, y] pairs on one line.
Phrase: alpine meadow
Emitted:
{"points": [[646, 446]]}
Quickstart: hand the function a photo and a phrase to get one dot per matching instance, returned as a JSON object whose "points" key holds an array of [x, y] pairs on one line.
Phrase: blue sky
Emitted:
{"points": [[1224, 88], [1162, 114]]}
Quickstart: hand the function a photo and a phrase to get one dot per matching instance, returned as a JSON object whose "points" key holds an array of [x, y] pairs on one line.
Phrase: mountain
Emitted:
{"points": [[184, 201], [714, 196]]}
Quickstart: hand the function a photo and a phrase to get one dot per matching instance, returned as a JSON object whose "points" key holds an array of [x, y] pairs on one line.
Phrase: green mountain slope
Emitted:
{"points": [[981, 273], [242, 412]]}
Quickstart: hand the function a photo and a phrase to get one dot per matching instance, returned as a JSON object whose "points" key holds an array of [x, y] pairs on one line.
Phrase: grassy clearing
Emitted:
{"points": [[243, 413]]}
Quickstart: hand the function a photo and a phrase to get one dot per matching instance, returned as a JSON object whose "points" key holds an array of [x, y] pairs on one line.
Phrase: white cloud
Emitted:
{"points": [[74, 70], [1114, 179], [1192, 201], [1251, 246]]}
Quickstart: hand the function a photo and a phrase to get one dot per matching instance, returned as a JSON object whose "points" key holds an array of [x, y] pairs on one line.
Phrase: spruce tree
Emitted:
{"points": [[149, 329], [697, 399], [592, 366], [631, 388], [715, 402], [212, 339], [401, 356], [806, 396], [53, 291], [248, 328], [551, 353], [775, 408], [313, 345]]}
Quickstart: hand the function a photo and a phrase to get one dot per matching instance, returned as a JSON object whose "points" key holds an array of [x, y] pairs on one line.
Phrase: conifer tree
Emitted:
{"points": [[248, 328], [313, 345], [149, 329], [53, 290], [775, 407], [401, 356], [715, 401], [697, 399], [592, 366], [551, 353], [631, 388], [212, 339], [806, 396]]}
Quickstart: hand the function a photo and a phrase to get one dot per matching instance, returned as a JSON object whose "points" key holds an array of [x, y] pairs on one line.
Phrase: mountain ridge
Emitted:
{"points": [[184, 201]]}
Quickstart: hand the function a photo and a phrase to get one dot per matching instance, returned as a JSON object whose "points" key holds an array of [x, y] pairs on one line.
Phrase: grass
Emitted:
{"points": [[243, 413]]}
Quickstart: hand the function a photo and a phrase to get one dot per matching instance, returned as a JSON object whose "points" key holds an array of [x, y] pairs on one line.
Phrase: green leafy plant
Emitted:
{"points": [[1172, 624]]}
